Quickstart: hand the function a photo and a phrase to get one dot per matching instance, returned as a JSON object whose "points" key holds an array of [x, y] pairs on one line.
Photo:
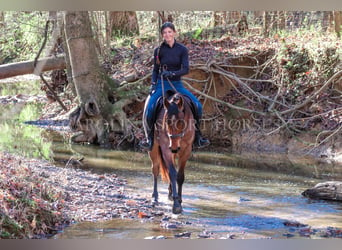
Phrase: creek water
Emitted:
{"points": [[251, 196], [246, 195]]}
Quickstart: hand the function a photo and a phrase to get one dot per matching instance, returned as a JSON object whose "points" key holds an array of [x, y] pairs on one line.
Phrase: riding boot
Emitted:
{"points": [[147, 143], [200, 141]]}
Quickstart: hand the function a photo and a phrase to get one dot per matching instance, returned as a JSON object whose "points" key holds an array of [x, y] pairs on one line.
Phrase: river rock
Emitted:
{"points": [[183, 235], [330, 190]]}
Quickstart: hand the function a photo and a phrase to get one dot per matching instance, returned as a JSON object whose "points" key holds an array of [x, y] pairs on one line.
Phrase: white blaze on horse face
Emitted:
{"points": [[174, 134]]}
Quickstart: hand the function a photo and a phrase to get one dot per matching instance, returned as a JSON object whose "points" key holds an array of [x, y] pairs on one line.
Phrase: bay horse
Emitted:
{"points": [[174, 135]]}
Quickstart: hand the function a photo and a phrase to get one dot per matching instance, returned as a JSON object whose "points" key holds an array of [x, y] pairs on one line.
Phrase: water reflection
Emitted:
{"points": [[17, 137]]}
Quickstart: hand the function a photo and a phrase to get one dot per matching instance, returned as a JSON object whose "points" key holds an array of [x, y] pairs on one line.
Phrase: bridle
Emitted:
{"points": [[182, 133], [174, 136]]}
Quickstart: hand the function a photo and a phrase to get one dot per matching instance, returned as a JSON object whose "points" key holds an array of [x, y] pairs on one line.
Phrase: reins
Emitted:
{"points": [[171, 84], [172, 136]]}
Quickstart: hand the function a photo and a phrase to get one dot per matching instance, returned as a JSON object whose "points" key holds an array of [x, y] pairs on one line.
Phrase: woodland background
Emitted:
{"points": [[268, 80]]}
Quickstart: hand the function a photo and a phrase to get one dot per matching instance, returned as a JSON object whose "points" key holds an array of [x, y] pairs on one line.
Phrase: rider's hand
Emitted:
{"points": [[167, 74]]}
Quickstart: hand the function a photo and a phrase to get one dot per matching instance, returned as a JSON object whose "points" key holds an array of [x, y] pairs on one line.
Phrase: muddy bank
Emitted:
{"points": [[246, 142]]}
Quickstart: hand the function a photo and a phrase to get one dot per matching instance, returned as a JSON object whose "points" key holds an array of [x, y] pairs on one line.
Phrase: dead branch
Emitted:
{"points": [[27, 67], [309, 99], [220, 101]]}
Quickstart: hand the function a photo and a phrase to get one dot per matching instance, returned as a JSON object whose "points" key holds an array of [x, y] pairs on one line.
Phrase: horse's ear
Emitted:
{"points": [[166, 103]]}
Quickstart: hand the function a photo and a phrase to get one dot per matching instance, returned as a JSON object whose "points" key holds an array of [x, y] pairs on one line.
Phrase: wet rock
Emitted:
{"points": [[332, 232], [288, 235], [205, 235], [330, 190], [169, 225], [183, 235], [305, 232], [166, 218], [294, 224], [242, 199], [158, 213], [231, 236]]}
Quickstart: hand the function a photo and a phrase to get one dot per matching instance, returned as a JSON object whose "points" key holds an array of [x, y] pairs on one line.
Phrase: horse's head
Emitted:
{"points": [[174, 121]]}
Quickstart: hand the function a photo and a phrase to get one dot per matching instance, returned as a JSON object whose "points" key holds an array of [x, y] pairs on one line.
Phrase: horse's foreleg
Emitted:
{"points": [[155, 171], [180, 181], [180, 176], [170, 192], [177, 208]]}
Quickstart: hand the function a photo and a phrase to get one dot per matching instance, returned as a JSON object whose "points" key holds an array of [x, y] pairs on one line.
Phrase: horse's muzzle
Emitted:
{"points": [[175, 151]]}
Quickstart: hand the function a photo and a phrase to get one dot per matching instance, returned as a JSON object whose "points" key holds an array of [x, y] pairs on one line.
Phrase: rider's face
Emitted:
{"points": [[168, 35]]}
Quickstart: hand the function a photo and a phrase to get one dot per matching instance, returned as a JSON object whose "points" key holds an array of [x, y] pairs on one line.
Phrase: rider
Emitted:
{"points": [[171, 61]]}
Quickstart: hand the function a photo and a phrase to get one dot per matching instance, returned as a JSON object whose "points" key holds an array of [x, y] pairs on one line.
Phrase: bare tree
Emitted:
{"points": [[281, 20], [266, 23], [92, 86], [2, 19], [327, 21], [123, 23], [338, 22], [219, 18]]}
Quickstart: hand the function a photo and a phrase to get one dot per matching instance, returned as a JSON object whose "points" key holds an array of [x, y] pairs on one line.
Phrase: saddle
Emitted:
{"points": [[158, 107]]}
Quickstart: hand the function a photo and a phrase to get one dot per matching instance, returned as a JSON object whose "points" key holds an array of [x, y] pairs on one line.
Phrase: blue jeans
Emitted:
{"points": [[151, 101]]}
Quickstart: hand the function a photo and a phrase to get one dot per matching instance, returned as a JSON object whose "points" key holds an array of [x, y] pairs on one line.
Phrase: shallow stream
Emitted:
{"points": [[243, 196]]}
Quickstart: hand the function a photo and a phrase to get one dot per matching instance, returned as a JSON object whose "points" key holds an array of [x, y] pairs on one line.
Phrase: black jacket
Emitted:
{"points": [[175, 59]]}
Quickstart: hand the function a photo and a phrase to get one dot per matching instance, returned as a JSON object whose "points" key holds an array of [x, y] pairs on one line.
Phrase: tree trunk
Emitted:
{"points": [[327, 20], [266, 23], [96, 21], [71, 84], [124, 23], [108, 29], [338, 22], [22, 68], [92, 87], [219, 18], [164, 17], [2, 19], [282, 20]]}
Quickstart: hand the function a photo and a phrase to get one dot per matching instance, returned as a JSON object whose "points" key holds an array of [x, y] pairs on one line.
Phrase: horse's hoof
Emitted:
{"points": [[177, 209], [170, 198], [154, 203]]}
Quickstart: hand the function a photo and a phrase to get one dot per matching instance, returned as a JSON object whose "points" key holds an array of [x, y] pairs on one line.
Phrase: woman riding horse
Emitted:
{"points": [[171, 61]]}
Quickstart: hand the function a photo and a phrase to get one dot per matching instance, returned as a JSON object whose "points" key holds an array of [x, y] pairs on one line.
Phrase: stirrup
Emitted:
{"points": [[146, 145], [201, 142]]}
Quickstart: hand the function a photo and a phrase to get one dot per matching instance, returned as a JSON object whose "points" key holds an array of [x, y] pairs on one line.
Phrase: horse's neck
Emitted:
{"points": [[187, 109]]}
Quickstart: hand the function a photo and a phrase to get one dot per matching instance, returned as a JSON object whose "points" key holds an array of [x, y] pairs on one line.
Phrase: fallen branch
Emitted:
{"points": [[27, 67]]}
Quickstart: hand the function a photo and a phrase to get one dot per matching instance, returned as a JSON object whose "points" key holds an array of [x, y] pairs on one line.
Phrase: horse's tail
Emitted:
{"points": [[164, 170]]}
